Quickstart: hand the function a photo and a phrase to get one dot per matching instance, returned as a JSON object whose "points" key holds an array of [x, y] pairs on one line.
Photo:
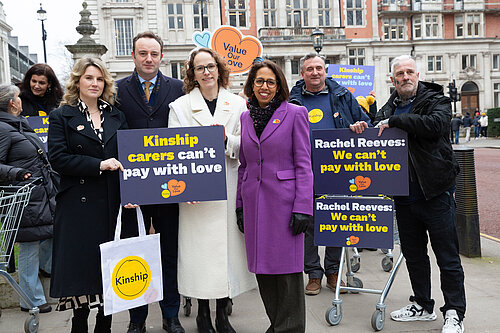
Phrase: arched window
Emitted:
{"points": [[470, 87]]}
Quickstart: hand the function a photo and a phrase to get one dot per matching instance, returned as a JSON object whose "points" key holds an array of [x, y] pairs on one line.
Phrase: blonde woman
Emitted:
{"points": [[83, 149]]}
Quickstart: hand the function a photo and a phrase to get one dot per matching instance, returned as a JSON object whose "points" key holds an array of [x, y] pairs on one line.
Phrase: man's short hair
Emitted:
{"points": [[147, 34], [397, 60], [310, 56]]}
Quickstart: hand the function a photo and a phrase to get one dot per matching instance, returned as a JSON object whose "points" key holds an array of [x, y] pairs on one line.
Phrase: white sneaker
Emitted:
{"points": [[412, 312], [452, 323]]}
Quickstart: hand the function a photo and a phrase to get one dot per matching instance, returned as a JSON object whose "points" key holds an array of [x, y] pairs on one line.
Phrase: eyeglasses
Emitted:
{"points": [[259, 82], [201, 69], [257, 60]]}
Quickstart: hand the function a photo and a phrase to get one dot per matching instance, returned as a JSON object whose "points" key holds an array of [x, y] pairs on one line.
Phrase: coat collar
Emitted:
{"points": [[78, 123], [163, 91], [202, 114], [276, 120]]}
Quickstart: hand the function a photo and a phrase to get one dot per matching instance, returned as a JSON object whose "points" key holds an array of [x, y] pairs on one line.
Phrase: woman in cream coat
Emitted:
{"points": [[212, 260]]}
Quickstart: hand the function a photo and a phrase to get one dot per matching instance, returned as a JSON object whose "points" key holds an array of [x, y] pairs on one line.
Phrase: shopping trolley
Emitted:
{"points": [[13, 199]]}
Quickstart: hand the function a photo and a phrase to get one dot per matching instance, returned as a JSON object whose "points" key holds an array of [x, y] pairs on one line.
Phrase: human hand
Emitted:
{"points": [[382, 125], [299, 223], [372, 93], [192, 202], [129, 206], [23, 174], [111, 164], [358, 127], [239, 219]]}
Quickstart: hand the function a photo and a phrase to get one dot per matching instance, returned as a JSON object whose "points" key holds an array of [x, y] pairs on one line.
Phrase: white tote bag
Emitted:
{"points": [[131, 269]]}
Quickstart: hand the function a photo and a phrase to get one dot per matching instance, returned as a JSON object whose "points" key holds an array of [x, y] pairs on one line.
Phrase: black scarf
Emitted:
{"points": [[261, 116]]}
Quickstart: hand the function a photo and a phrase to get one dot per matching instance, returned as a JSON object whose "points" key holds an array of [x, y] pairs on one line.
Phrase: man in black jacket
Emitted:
{"points": [[144, 97], [421, 109]]}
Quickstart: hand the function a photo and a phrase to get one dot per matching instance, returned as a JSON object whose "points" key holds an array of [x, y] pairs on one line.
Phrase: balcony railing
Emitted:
{"points": [[299, 33]]}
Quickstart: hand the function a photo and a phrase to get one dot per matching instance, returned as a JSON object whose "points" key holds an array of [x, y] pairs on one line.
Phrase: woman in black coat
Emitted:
{"points": [[22, 155], [40, 91], [83, 149]]}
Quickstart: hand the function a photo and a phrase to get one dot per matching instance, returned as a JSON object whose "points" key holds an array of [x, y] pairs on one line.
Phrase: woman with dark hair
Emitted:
{"points": [[275, 194], [40, 91], [22, 155], [211, 249], [83, 149]]}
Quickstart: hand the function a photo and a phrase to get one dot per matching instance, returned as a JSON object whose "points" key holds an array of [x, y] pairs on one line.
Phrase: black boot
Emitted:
{"points": [[221, 320], [79, 322], [102, 322], [203, 320]]}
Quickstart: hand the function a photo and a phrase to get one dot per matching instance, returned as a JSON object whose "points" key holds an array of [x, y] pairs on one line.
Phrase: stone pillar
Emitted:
{"points": [[288, 69], [486, 101], [86, 45]]}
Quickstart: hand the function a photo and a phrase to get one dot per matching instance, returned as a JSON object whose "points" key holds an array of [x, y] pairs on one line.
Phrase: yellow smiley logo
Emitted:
{"points": [[315, 116], [131, 277]]}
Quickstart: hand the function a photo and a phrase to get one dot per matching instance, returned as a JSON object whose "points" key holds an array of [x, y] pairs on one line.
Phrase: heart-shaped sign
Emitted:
{"points": [[238, 51], [351, 89], [202, 39], [362, 182], [176, 187], [354, 240]]}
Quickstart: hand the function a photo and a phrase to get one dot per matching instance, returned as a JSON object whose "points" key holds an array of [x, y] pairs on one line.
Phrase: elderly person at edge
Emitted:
{"points": [[275, 194], [22, 155], [209, 240], [83, 149]]}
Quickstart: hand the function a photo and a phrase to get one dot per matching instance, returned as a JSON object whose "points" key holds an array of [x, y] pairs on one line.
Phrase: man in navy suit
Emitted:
{"points": [[144, 97]]}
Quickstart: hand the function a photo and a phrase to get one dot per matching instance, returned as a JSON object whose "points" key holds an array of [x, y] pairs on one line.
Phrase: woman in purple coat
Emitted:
{"points": [[275, 194]]}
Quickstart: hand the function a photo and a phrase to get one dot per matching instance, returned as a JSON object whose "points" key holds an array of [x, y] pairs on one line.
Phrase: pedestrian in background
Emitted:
{"points": [[209, 240], [40, 91], [23, 156], [456, 122], [476, 124], [275, 196], [467, 122], [483, 121], [83, 149]]}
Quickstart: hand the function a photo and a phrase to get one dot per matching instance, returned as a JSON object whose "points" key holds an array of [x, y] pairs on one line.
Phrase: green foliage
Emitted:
{"points": [[493, 127]]}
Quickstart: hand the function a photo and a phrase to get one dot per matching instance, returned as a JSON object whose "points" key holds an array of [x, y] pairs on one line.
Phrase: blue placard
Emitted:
{"points": [[354, 222], [167, 165], [360, 164], [41, 127], [357, 79]]}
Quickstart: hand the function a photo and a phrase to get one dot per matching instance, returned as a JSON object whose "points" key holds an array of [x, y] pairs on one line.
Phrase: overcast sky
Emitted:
{"points": [[62, 18]]}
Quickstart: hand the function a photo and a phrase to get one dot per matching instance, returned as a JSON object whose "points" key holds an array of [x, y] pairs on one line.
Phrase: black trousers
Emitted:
{"points": [[434, 219], [284, 300], [165, 219]]}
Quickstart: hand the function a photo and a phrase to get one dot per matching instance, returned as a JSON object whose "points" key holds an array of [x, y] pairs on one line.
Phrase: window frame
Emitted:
{"points": [[433, 60], [399, 29], [355, 58], [302, 10], [353, 9], [175, 15], [269, 13], [123, 45], [239, 12]]}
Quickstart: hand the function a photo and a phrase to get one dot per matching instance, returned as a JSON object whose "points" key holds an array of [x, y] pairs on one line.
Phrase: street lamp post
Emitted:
{"points": [[42, 16], [318, 37]]}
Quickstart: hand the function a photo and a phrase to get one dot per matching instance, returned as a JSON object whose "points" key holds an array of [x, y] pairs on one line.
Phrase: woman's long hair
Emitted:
{"points": [[54, 92], [73, 92]]}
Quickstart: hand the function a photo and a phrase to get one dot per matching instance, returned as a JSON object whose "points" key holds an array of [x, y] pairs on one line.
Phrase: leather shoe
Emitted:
{"points": [[136, 328], [172, 325], [44, 308], [313, 286], [331, 282]]}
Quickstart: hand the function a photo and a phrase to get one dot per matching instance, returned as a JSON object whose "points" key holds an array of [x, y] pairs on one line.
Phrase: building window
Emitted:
{"points": [[295, 67], [496, 94], [122, 0], [324, 12], [175, 17], [297, 13], [473, 25], [269, 13], [434, 63], [237, 13], [390, 61], [496, 59], [124, 32], [356, 56], [354, 12], [177, 70], [459, 26], [468, 60], [431, 26], [417, 27], [197, 12], [393, 28]]}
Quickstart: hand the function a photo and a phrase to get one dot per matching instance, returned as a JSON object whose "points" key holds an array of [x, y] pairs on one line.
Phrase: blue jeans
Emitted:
{"points": [[457, 134], [33, 256], [434, 219], [476, 131]]}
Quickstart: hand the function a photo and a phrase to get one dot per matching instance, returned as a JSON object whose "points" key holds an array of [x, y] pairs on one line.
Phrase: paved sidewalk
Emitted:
{"points": [[482, 285], [479, 143]]}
